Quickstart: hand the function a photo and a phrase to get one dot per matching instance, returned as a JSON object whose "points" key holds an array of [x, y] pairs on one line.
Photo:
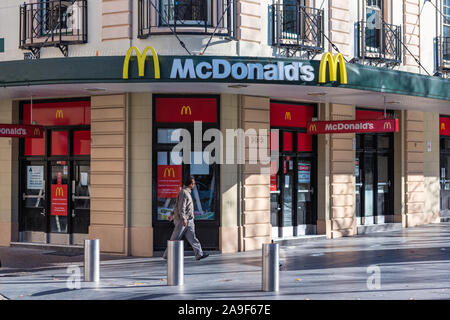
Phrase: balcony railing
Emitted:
{"points": [[298, 27], [209, 17], [55, 23], [379, 45], [442, 49]]}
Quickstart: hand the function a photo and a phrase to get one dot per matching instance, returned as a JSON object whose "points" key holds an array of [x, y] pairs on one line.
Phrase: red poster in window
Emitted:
{"points": [[59, 200], [444, 126], [273, 182], [186, 110], [290, 115], [65, 113], [169, 181]]}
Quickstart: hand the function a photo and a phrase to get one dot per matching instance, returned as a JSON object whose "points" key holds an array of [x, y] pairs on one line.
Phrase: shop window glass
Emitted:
{"points": [[383, 142], [82, 142], [368, 141], [60, 141], [35, 147], [304, 142], [165, 136], [204, 191], [287, 141], [169, 182]]}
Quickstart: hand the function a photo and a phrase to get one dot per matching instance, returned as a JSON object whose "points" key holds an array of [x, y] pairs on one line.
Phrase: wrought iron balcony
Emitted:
{"points": [[52, 23], [380, 45], [442, 49], [298, 27], [208, 17]]}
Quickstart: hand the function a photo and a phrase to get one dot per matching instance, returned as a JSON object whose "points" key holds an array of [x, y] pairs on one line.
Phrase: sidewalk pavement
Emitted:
{"points": [[412, 263]]}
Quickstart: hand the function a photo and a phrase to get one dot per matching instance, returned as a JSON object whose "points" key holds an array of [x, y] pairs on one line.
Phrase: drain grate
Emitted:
{"points": [[64, 254]]}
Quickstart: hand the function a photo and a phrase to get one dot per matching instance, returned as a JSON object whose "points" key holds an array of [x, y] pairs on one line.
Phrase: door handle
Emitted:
{"points": [[73, 213]]}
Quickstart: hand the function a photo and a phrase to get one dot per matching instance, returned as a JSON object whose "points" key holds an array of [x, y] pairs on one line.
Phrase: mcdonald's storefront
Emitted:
{"points": [[355, 149]]}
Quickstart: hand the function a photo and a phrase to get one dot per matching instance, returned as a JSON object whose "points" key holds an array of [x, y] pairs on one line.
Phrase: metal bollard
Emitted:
{"points": [[175, 263], [92, 260], [270, 267]]}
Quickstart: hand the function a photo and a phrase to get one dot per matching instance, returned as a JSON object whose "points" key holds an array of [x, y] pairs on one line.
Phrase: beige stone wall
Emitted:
{"points": [[411, 33], [116, 19], [256, 228], [414, 169], [340, 26], [229, 181], [5, 176], [249, 20], [108, 132], [342, 177], [323, 175], [399, 169], [431, 169], [139, 171]]}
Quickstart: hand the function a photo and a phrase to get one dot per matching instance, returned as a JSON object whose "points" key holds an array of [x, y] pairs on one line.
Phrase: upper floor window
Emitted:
{"points": [[378, 40], [446, 18], [297, 26], [185, 12], [55, 23], [186, 16]]}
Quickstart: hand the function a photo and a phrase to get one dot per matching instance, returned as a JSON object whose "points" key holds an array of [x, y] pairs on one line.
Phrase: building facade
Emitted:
{"points": [[134, 95]]}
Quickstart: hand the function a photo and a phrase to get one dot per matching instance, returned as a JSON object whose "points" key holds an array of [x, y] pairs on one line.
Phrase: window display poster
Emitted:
{"points": [[169, 181], [35, 177], [199, 163], [59, 200], [304, 172]]}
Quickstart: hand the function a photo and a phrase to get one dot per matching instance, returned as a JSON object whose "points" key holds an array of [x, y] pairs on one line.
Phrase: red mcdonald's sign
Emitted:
{"points": [[21, 131], [169, 181], [352, 126]]}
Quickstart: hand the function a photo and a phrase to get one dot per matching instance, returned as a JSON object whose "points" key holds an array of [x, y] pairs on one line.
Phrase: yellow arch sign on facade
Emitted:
{"points": [[141, 61], [332, 62]]}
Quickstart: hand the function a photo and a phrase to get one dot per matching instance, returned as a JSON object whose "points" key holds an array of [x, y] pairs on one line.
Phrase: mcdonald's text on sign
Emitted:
{"points": [[59, 200], [169, 181], [352, 126], [21, 131]]}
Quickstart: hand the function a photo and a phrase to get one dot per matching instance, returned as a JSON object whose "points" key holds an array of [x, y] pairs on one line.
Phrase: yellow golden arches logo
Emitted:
{"points": [[287, 116], [387, 125], [141, 62], [332, 62], [59, 192], [59, 114], [185, 110], [37, 132], [442, 126], [312, 127], [169, 172]]}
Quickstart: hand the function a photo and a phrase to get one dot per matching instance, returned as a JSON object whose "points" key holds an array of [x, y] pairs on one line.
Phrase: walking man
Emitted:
{"points": [[183, 218]]}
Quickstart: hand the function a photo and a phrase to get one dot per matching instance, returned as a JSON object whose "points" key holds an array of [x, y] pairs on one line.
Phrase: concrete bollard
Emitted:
{"points": [[175, 262], [270, 267], [92, 260]]}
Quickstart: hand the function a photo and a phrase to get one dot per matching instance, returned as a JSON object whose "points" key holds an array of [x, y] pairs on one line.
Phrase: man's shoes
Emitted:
{"points": [[205, 255]]}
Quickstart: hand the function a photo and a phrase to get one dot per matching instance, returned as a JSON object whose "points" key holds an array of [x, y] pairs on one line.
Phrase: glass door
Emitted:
{"points": [[287, 197], [59, 195], [81, 197], [368, 188], [34, 197], [445, 185], [359, 184], [383, 188], [304, 196]]}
